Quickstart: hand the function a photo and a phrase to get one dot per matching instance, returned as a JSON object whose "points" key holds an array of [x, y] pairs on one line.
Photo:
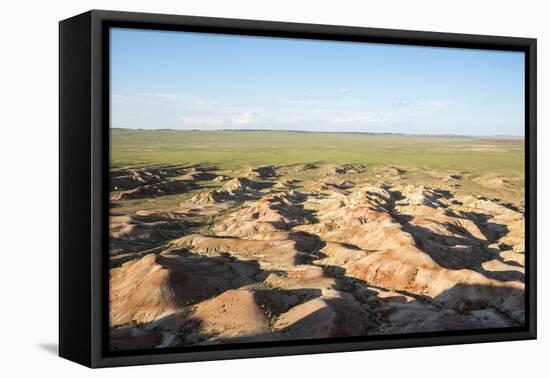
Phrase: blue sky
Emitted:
{"points": [[181, 80]]}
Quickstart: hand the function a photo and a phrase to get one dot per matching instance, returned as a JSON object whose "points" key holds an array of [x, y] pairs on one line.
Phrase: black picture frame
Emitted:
{"points": [[83, 180]]}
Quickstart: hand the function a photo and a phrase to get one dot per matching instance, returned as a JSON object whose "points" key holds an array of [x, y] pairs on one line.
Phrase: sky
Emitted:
{"points": [[182, 80]]}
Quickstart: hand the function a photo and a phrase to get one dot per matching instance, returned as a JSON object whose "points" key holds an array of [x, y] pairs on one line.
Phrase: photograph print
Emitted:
{"points": [[266, 189]]}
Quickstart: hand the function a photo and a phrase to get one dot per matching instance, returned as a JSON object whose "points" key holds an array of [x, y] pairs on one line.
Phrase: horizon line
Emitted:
{"points": [[501, 136]]}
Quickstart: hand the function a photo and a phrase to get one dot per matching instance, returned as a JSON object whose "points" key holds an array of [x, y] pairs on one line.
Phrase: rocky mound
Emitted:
{"points": [[266, 172], [213, 196], [198, 176], [346, 169], [233, 314], [339, 254], [286, 184], [492, 181], [221, 178], [419, 195], [305, 167], [155, 286], [404, 314], [360, 219], [410, 270], [346, 184], [512, 244], [136, 233], [155, 190], [322, 318], [268, 253], [126, 179], [244, 184], [271, 213], [394, 171]]}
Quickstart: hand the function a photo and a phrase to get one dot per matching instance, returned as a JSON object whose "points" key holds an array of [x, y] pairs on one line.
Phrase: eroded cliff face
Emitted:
{"points": [[349, 252]]}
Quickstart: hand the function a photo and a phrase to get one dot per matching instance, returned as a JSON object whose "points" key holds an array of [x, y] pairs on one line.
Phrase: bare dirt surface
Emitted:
{"points": [[209, 256]]}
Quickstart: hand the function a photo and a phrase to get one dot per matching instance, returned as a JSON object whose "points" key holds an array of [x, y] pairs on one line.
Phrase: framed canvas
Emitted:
{"points": [[236, 188]]}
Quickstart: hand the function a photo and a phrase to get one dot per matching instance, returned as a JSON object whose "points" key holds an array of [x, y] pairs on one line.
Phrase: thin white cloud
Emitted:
{"points": [[304, 103], [361, 119], [231, 120], [424, 103], [181, 111], [400, 102], [439, 103], [166, 95], [245, 118]]}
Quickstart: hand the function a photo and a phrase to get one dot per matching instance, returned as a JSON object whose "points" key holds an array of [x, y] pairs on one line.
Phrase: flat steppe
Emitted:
{"points": [[245, 236]]}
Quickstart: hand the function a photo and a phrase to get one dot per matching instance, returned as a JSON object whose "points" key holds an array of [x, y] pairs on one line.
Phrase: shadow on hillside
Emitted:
{"points": [[459, 249]]}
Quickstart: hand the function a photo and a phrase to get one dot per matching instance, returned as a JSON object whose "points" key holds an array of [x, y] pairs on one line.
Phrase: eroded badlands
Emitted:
{"points": [[350, 251]]}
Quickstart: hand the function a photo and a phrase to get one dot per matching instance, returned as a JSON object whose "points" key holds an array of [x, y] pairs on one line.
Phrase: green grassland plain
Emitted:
{"points": [[487, 166]]}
